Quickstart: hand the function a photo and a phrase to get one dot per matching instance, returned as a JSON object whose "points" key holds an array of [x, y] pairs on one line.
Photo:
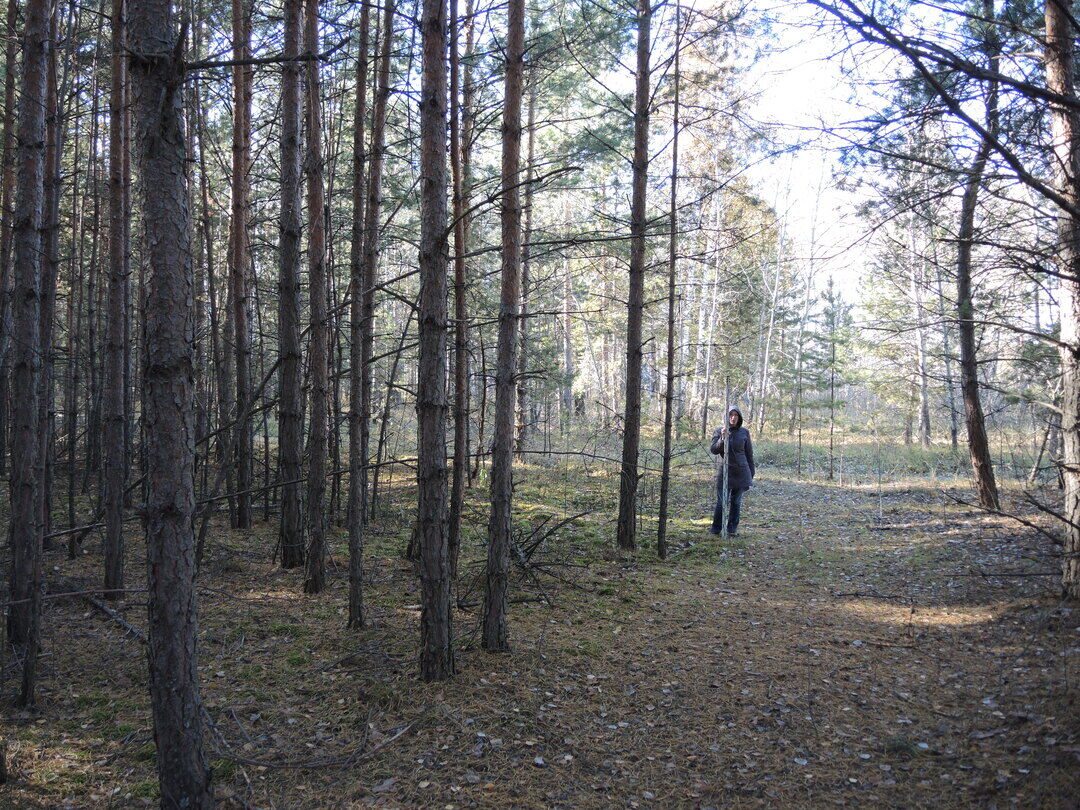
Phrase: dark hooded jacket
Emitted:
{"points": [[741, 459]]}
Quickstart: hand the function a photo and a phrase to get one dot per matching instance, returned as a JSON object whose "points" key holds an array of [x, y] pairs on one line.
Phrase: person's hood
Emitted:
{"points": [[738, 413]]}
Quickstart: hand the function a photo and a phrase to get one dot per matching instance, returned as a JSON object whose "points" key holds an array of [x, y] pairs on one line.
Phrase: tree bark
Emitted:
{"points": [[388, 400], [291, 408], [500, 525], [50, 269], [946, 351], [978, 444], [7, 194], [26, 580], [917, 279], [116, 308], [1065, 125], [628, 478], [459, 114], [355, 511], [242, 445], [915, 286], [669, 376], [569, 372], [315, 578], [157, 80], [436, 634], [74, 317], [800, 345], [372, 210], [523, 427]]}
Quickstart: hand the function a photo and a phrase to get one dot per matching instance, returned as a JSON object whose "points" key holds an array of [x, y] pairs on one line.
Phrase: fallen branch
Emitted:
{"points": [[71, 594], [1057, 541], [138, 632], [928, 707], [329, 762], [871, 594]]}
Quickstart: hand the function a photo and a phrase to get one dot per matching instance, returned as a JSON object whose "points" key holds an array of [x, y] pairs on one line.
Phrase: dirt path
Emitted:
{"points": [[821, 659], [824, 657]]}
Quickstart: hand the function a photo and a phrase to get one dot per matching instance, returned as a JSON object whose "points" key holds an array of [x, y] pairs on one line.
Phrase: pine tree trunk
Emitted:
{"points": [[978, 444], [199, 250], [915, 287], [291, 408], [481, 412], [800, 352], [242, 446], [355, 511], [384, 421], [50, 270], [116, 315], [567, 398], [628, 477], [7, 195], [315, 578], [436, 634], [74, 320], [372, 211], [522, 429], [460, 470], [157, 81], [669, 375], [500, 524], [946, 351], [707, 328], [26, 579], [212, 382], [1065, 125], [93, 393]]}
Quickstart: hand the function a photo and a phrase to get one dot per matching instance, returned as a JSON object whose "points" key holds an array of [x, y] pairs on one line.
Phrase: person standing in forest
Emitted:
{"points": [[734, 444]]}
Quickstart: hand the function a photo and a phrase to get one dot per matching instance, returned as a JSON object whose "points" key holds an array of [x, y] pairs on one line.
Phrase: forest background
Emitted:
{"points": [[290, 284]]}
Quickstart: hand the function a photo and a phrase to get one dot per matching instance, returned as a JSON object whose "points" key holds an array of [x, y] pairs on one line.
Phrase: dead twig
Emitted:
{"points": [[138, 632], [327, 762], [1057, 541]]}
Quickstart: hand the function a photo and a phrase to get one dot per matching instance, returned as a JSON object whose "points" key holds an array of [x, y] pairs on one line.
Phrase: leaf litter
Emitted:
{"points": [[815, 660]]}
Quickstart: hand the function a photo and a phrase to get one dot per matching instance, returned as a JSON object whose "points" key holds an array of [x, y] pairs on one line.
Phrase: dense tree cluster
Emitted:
{"points": [[258, 259]]}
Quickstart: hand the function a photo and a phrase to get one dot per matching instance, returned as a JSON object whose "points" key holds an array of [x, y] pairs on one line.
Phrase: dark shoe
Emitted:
{"points": [[733, 533], [713, 531]]}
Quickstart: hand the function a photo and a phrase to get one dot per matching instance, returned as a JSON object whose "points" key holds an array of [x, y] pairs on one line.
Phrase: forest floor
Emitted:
{"points": [[852, 647]]}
